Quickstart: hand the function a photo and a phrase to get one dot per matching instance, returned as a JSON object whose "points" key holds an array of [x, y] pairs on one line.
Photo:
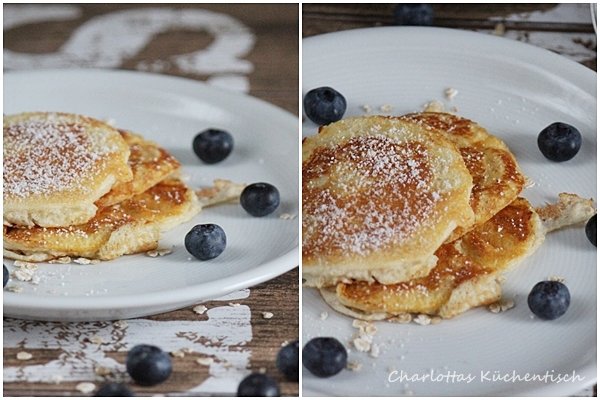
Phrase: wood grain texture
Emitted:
{"points": [[273, 78], [515, 20], [275, 53], [278, 296]]}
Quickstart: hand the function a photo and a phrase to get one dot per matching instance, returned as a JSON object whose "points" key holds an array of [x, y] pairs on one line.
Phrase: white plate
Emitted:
{"points": [[170, 111], [514, 90]]}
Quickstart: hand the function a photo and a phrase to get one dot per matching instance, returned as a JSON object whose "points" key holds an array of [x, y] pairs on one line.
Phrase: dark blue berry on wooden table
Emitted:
{"points": [[413, 14], [148, 365], [287, 360], [114, 389], [258, 385]]}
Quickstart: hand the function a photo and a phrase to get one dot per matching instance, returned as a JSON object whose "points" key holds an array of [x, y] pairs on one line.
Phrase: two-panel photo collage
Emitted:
{"points": [[299, 199]]}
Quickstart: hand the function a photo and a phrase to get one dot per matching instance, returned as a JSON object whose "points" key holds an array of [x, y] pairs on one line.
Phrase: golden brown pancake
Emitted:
{"points": [[379, 196], [131, 226], [497, 178], [57, 165], [468, 272], [149, 163], [128, 227]]}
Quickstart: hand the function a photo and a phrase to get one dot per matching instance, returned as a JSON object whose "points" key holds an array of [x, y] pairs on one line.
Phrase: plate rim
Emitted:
{"points": [[16, 303], [524, 52]]}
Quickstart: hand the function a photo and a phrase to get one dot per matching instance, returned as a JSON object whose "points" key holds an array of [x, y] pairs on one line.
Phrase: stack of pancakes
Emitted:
{"points": [[75, 186], [418, 214]]}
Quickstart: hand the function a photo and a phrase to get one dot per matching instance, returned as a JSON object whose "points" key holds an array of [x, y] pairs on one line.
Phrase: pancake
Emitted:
{"points": [[149, 163], [469, 270], [379, 196], [57, 165], [128, 227], [497, 178]]}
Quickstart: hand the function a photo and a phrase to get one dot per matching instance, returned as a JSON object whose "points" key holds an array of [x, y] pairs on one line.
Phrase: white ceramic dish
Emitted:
{"points": [[170, 111], [514, 90]]}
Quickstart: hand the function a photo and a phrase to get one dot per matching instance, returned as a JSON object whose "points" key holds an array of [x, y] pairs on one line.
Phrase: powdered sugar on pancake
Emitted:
{"points": [[42, 157], [377, 192]]}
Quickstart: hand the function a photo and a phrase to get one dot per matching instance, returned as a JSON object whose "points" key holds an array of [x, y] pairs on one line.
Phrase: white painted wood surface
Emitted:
{"points": [[82, 347], [107, 40], [576, 46]]}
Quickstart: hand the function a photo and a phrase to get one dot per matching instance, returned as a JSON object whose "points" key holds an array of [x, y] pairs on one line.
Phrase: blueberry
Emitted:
{"points": [[206, 241], [6, 275], [148, 365], [549, 299], [260, 199], [324, 105], [114, 390], [213, 145], [287, 360], [324, 356], [559, 141], [258, 385], [413, 14], [590, 231]]}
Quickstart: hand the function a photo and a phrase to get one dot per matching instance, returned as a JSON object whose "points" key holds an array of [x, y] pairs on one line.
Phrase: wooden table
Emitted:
{"points": [[566, 28], [233, 332]]}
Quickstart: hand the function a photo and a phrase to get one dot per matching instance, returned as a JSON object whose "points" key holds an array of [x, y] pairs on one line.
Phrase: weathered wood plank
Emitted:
{"points": [[233, 332], [564, 28]]}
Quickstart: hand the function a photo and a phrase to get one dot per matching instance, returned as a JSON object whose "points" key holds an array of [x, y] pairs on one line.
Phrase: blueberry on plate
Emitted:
{"points": [[324, 105], [549, 299], [287, 360], [114, 389], [260, 199], [6, 275], [590, 231], [206, 241], [324, 356], [559, 141], [413, 14], [213, 145], [148, 365], [258, 385]]}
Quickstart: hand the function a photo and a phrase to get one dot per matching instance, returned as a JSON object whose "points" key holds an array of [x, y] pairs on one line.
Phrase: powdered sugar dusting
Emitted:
{"points": [[45, 156], [377, 192]]}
